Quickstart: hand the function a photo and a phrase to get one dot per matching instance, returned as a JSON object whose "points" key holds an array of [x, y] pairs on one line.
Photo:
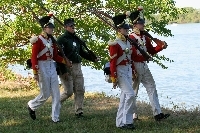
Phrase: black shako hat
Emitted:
{"points": [[137, 16], [69, 22], [46, 22], [120, 21]]}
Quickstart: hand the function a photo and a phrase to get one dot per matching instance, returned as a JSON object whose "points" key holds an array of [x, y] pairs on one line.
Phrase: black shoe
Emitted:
{"points": [[164, 116], [31, 113], [79, 114], [128, 126], [161, 116]]}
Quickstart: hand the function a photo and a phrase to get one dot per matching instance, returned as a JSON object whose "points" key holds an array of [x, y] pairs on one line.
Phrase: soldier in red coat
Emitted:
{"points": [[144, 75], [120, 52], [44, 53]]}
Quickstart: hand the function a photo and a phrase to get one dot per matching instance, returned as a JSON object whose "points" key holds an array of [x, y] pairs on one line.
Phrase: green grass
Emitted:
{"points": [[99, 111]]}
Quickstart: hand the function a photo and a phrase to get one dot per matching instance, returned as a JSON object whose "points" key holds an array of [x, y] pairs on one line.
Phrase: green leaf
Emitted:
{"points": [[18, 24]]}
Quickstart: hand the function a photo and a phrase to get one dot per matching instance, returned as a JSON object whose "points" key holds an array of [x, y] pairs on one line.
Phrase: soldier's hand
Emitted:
{"points": [[36, 77], [165, 45]]}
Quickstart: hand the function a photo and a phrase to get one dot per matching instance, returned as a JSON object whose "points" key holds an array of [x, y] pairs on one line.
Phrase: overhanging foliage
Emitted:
{"points": [[15, 32]]}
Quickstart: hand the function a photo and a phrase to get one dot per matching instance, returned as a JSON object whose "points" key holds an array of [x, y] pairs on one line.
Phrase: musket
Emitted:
{"points": [[157, 41], [133, 42], [93, 56], [68, 63]]}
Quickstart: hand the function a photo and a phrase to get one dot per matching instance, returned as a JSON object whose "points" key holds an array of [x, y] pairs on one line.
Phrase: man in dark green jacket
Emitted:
{"points": [[72, 79]]}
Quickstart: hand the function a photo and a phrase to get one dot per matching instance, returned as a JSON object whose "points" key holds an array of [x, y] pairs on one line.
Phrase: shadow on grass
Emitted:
{"points": [[99, 117]]}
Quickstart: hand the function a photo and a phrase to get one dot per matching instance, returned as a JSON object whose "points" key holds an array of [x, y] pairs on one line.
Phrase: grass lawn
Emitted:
{"points": [[99, 116]]}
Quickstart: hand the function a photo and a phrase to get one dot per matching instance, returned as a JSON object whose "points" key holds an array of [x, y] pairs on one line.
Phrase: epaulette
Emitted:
{"points": [[33, 39], [111, 42]]}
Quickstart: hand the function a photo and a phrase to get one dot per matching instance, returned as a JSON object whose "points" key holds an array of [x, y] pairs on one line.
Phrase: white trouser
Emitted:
{"points": [[48, 83], [127, 96], [145, 77]]}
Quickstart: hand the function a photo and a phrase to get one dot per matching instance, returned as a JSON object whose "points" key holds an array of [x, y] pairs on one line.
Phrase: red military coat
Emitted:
{"points": [[38, 46], [147, 46], [116, 51]]}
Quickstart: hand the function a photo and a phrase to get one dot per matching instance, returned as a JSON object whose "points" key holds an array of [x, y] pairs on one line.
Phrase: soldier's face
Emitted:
{"points": [[140, 26], [70, 28], [49, 30], [124, 31]]}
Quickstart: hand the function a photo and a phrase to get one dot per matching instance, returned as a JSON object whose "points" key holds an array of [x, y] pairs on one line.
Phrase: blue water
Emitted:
{"points": [[178, 85]]}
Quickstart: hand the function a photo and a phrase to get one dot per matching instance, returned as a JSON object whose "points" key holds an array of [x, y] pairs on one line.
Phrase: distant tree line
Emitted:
{"points": [[190, 15]]}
